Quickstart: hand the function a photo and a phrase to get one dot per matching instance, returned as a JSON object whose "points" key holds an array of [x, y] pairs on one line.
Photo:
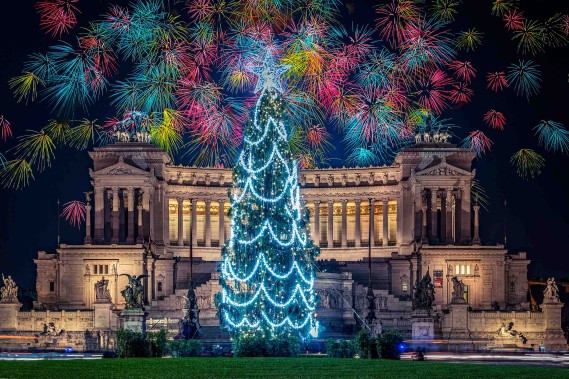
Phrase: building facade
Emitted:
{"points": [[413, 217]]}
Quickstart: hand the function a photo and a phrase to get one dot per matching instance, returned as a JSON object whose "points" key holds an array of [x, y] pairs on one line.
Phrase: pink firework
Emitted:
{"points": [[316, 135], [495, 119], [478, 142], [497, 81], [5, 131], [200, 9], [566, 24], [118, 18], [74, 212], [57, 16], [393, 19], [463, 70], [514, 19], [460, 93], [433, 93]]}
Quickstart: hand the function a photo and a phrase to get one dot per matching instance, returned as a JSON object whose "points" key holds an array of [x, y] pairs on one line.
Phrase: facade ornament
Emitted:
{"points": [[330, 180], [207, 179], [458, 290], [194, 178], [88, 197], [358, 179], [303, 180], [102, 293], [551, 292], [317, 180], [449, 270], [133, 292], [87, 270], [476, 270], [49, 330], [424, 294], [371, 178], [344, 179], [9, 293], [507, 330]]}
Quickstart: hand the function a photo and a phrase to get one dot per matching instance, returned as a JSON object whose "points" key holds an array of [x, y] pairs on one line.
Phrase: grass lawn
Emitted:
{"points": [[210, 368], [272, 368]]}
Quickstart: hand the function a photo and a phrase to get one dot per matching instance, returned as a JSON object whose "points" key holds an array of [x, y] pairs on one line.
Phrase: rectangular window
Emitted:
{"points": [[512, 286], [467, 269], [456, 269], [462, 270], [106, 269], [51, 286], [159, 286], [95, 269], [404, 287]]}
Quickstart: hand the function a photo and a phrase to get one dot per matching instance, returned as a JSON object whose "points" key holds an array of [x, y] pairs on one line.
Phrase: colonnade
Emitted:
{"points": [[183, 211]]}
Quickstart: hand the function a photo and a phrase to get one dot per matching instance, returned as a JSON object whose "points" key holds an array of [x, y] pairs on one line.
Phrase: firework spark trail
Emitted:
{"points": [[5, 130], [477, 142], [553, 136], [497, 81], [57, 17], [526, 77], [528, 163], [495, 119]]}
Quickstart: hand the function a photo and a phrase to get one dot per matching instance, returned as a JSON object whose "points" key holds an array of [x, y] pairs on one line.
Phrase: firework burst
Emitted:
{"points": [[463, 70], [5, 131], [37, 148], [497, 81], [477, 142], [469, 40], [530, 37], [495, 119], [74, 212], [528, 163], [553, 136], [525, 77], [514, 19], [57, 17], [16, 174]]}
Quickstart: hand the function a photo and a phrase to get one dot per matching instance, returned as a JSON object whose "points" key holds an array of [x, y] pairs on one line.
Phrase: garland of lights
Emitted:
{"points": [[267, 272]]}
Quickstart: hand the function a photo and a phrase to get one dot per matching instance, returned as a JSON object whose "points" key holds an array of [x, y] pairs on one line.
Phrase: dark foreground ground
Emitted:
{"points": [[273, 368]]}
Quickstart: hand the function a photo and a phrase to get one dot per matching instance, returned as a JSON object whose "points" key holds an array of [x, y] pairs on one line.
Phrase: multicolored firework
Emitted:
{"points": [[553, 136], [477, 142], [528, 163], [74, 212], [495, 119]]}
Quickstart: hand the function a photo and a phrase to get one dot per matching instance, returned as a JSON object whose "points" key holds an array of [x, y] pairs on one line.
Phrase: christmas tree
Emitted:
{"points": [[268, 264]]}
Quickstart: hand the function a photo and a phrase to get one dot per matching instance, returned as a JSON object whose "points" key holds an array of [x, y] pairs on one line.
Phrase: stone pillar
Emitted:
{"points": [[115, 216], [221, 223], [130, 216], [316, 236], [459, 322], [165, 225], [9, 316], [434, 234], [424, 237], [385, 241], [553, 336], [465, 224], [180, 221], [133, 319], [358, 238], [476, 237], [330, 238], [194, 223], [371, 225], [139, 229], [207, 222], [448, 220], [99, 194], [344, 223], [88, 240]]}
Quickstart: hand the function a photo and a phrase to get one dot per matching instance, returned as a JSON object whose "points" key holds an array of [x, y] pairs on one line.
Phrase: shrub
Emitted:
{"points": [[131, 344], [185, 348], [256, 345], [157, 343], [362, 344], [388, 344], [339, 348]]}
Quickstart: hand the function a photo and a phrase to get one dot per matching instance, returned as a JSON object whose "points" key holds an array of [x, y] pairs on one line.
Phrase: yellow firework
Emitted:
{"points": [[37, 148], [528, 163], [25, 86], [16, 174]]}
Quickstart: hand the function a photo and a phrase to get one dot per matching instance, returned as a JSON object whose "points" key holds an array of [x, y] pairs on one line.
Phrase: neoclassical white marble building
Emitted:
{"points": [[424, 220]]}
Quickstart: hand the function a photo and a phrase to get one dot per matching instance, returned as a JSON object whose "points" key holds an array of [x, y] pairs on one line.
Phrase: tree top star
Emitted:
{"points": [[269, 74]]}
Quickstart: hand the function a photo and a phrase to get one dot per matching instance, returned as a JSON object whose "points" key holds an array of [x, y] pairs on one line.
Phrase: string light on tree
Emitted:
{"points": [[267, 270]]}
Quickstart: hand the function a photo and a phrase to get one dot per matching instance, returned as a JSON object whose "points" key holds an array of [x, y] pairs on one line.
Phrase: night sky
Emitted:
{"points": [[537, 214]]}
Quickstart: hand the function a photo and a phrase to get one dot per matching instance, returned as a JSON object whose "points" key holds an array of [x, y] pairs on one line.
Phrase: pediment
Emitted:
{"points": [[442, 169], [122, 168]]}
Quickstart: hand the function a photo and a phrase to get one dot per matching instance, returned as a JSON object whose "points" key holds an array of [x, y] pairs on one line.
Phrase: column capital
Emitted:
{"points": [[317, 202], [424, 207], [358, 201], [207, 201], [330, 202], [180, 200], [476, 207], [221, 201], [344, 202], [385, 199], [130, 188]]}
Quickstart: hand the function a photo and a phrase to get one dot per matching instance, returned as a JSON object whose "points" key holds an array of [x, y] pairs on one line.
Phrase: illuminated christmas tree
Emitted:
{"points": [[268, 264]]}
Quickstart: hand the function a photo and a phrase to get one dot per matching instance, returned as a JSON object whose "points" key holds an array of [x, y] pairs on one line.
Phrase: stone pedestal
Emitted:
{"points": [[422, 326], [9, 316], [553, 336], [459, 322], [103, 315], [133, 319]]}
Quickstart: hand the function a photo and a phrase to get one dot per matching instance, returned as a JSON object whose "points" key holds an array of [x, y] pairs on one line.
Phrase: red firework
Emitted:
{"points": [[478, 142], [460, 93], [495, 119], [57, 16], [5, 131], [566, 24], [393, 19], [74, 212], [514, 19], [497, 81], [463, 70], [433, 94], [316, 135]]}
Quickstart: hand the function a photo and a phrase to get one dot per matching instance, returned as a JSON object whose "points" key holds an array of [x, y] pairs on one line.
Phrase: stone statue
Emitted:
{"points": [[458, 290], [507, 330], [424, 294], [551, 292], [102, 293], [376, 327], [88, 197], [133, 293], [190, 321], [9, 293]]}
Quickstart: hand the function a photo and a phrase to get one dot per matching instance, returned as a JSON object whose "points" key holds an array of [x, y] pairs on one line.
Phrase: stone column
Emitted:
{"points": [[115, 216], [194, 223], [330, 238], [207, 222], [358, 238], [465, 223], [99, 205], [221, 222], [476, 237], [139, 229], [316, 236], [180, 221], [424, 237], [130, 216], [88, 240], [385, 221], [344, 223], [371, 226], [434, 236], [448, 222]]}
